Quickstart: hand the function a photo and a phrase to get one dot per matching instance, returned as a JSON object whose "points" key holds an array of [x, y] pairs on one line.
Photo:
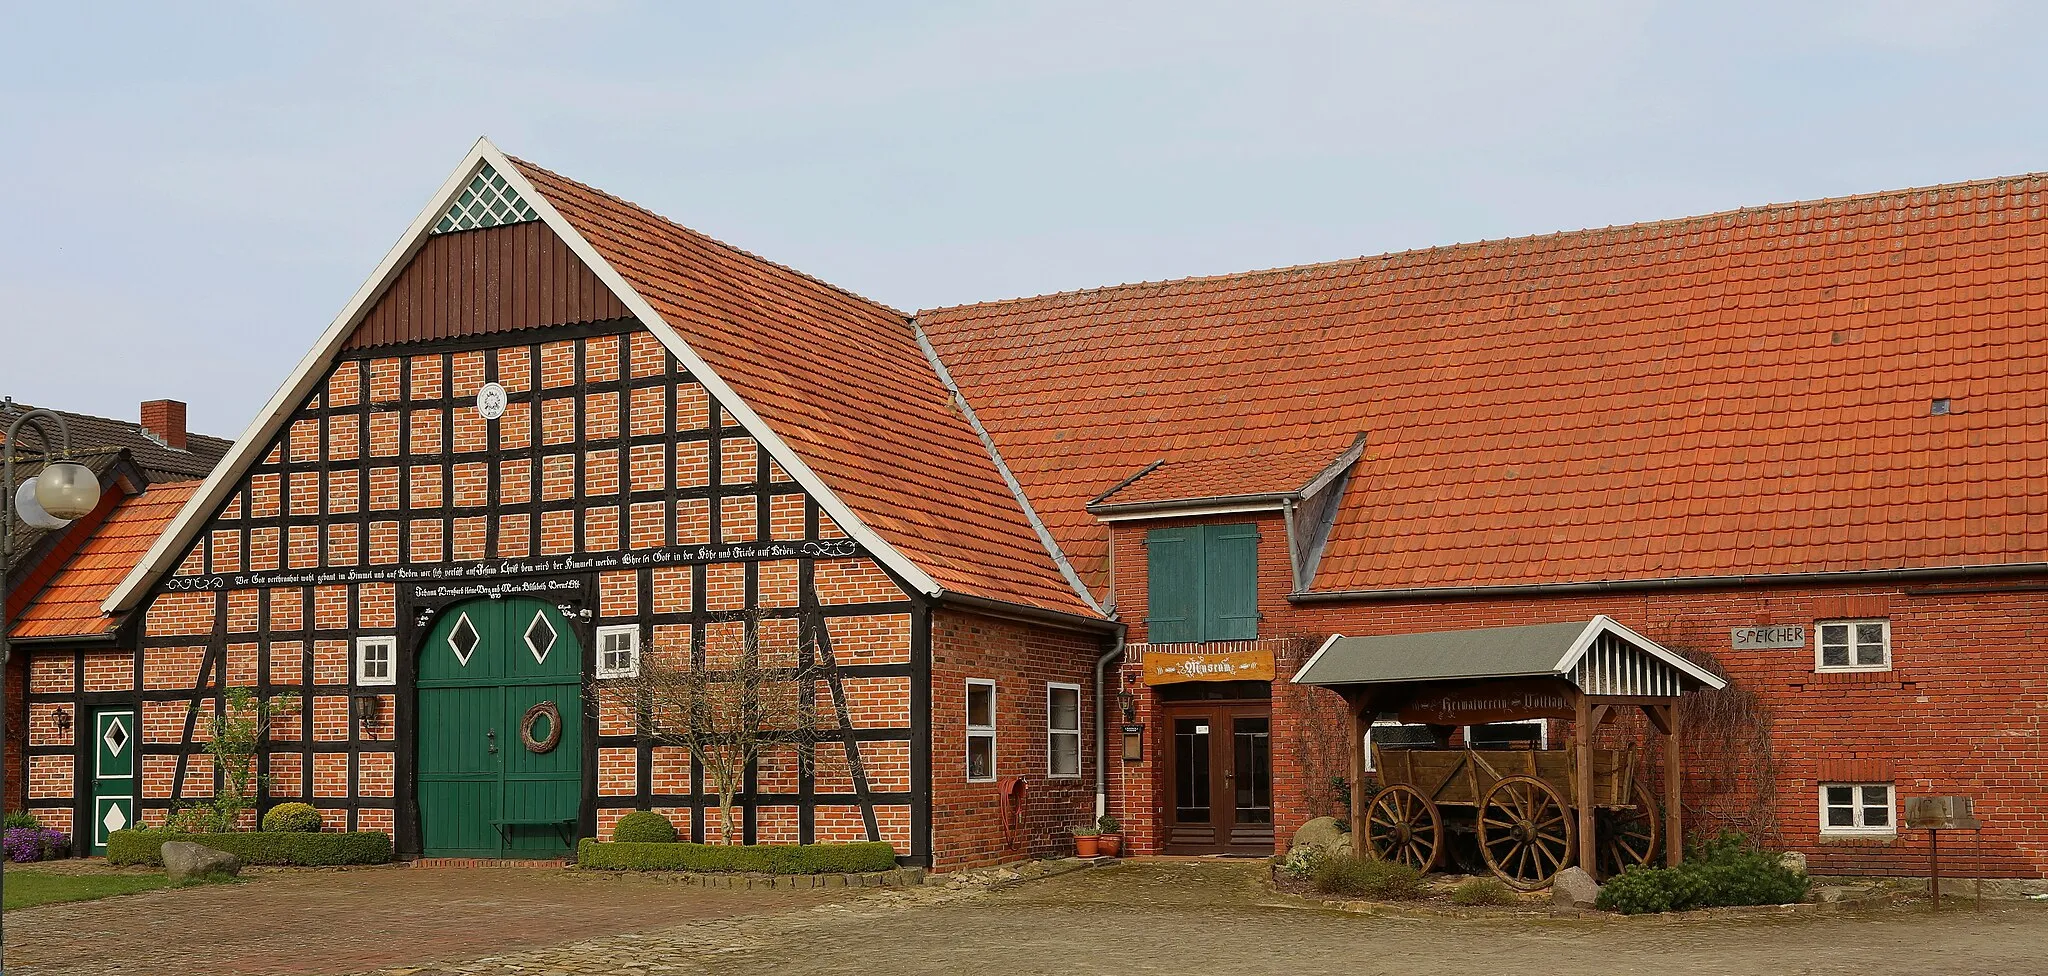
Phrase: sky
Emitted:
{"points": [[193, 191]]}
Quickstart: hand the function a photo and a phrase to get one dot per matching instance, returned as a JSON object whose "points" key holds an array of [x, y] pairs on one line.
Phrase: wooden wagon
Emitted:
{"points": [[1530, 813], [1520, 806]]}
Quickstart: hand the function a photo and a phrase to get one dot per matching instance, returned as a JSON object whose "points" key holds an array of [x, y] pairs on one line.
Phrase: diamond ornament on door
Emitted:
{"points": [[115, 819], [116, 738], [540, 637], [462, 639]]}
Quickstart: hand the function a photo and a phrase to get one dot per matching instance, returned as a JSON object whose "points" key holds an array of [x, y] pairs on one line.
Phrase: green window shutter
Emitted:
{"points": [[1173, 568], [1230, 591]]}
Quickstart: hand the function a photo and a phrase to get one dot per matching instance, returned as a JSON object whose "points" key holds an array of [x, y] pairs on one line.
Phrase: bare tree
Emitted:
{"points": [[742, 702]]}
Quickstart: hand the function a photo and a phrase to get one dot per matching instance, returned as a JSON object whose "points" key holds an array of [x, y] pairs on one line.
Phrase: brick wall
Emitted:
{"points": [[1960, 712], [972, 825]]}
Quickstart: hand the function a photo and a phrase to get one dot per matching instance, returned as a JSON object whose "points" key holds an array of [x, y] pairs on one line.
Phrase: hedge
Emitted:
{"points": [[762, 858], [257, 847]]}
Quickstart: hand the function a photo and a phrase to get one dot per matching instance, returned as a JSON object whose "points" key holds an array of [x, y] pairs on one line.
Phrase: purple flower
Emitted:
{"points": [[24, 844]]}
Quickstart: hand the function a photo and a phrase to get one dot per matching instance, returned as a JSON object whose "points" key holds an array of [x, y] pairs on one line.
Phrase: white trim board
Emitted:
{"points": [[1603, 623], [170, 546]]}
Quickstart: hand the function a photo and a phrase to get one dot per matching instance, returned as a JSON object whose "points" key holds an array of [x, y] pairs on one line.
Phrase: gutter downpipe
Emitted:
{"points": [[1101, 723]]}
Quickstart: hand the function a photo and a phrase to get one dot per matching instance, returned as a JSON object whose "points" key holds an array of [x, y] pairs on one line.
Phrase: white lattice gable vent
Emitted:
{"points": [[488, 201]]}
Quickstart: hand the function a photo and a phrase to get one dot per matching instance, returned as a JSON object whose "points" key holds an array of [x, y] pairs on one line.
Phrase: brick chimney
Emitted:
{"points": [[164, 422]]}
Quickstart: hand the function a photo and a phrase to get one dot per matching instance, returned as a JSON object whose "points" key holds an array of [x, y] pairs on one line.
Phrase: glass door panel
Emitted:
{"points": [[1191, 799], [1252, 770]]}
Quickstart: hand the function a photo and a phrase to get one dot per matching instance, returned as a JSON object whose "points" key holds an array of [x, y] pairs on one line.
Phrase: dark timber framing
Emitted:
{"points": [[305, 504]]}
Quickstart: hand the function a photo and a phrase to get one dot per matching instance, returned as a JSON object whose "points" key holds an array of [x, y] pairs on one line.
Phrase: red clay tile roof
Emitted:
{"points": [[842, 380], [1284, 469], [70, 605], [1744, 392]]}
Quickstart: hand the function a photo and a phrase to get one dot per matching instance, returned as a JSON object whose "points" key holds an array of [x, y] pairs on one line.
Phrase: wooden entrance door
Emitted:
{"points": [[1219, 778], [488, 672], [113, 774]]}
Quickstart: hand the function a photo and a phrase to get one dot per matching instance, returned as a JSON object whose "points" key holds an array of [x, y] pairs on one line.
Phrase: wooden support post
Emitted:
{"points": [[1582, 787], [1357, 722], [1674, 782]]}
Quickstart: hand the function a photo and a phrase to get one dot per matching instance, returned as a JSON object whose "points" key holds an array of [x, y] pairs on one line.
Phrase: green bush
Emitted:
{"points": [[762, 858], [1345, 874], [644, 827], [292, 818], [1302, 861], [257, 847], [1726, 870], [1483, 891], [21, 818]]}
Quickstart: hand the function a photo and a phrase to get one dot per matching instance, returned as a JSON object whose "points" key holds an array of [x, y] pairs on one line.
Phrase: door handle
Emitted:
{"points": [[492, 735]]}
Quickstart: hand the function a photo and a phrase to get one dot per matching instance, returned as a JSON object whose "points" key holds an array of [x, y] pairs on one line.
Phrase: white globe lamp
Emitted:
{"points": [[67, 489]]}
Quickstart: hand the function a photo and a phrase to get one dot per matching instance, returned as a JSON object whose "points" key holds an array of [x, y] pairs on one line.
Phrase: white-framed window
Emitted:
{"points": [[1390, 734], [981, 730], [1856, 808], [376, 660], [1526, 733], [1062, 730], [618, 651], [1852, 645]]}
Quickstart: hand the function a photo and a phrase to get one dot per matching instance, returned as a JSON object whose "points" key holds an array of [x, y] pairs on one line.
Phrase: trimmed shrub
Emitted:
{"points": [[257, 847], [292, 818], [1346, 874], [1483, 891], [761, 858], [1724, 871], [644, 827]]}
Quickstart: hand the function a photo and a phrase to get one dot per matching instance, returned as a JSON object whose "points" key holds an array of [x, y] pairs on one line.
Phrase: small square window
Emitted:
{"points": [[1063, 730], [981, 730], [376, 660], [618, 651], [1856, 808], [1853, 645]]}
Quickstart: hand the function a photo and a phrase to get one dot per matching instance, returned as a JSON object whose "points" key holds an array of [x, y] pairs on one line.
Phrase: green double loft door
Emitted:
{"points": [[500, 770]]}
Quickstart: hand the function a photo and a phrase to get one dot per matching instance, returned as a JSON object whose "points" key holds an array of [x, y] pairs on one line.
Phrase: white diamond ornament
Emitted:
{"points": [[540, 637], [462, 639], [115, 819], [116, 737]]}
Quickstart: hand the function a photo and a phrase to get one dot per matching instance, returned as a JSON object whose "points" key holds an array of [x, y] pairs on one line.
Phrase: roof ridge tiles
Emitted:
{"points": [[718, 242], [1260, 274]]}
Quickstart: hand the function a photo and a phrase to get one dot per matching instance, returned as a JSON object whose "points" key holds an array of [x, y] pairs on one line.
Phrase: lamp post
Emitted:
{"points": [[62, 491]]}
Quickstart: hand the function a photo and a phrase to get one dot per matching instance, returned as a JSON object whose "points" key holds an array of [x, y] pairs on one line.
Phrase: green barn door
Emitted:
{"points": [[488, 670], [113, 774]]}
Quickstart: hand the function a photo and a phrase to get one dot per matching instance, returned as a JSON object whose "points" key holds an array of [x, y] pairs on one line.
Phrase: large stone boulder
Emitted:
{"points": [[1574, 888], [1324, 832], [1794, 862], [185, 861]]}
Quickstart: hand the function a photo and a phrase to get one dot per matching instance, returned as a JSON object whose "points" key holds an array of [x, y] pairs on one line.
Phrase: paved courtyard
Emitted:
{"points": [[1207, 918]]}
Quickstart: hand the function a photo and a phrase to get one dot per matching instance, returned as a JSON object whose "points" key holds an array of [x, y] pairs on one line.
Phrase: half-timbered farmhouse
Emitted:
{"points": [[1036, 560]]}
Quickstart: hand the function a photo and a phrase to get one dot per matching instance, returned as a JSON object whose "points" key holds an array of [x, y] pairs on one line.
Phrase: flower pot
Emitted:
{"points": [[1086, 845], [1110, 845]]}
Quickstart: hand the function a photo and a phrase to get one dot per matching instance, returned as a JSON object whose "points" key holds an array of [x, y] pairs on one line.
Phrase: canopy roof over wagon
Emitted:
{"points": [[1536, 812], [1598, 656]]}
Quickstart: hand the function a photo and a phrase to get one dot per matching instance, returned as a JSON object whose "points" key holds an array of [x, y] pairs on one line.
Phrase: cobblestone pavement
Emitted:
{"points": [[345, 921], [1216, 920]]}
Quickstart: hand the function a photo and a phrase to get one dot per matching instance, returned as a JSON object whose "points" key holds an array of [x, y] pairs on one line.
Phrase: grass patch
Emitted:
{"points": [[1483, 891], [27, 889], [1343, 874]]}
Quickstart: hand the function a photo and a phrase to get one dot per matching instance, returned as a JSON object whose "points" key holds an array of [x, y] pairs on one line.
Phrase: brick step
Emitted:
{"points": [[485, 862]]}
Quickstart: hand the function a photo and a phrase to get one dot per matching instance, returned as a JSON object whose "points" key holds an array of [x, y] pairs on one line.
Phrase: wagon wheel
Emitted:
{"points": [[1402, 825], [1628, 835], [1525, 831]]}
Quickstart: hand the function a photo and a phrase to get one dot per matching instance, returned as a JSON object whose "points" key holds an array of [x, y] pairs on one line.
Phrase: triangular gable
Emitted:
{"points": [[170, 546]]}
